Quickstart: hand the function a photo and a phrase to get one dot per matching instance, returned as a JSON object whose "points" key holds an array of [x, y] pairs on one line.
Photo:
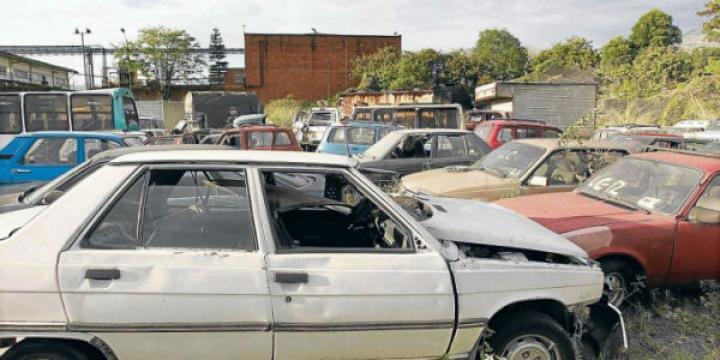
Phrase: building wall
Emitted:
{"points": [[308, 67], [32, 73]]}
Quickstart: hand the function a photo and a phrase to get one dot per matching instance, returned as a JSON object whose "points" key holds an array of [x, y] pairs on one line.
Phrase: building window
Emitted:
{"points": [[3, 72], [22, 74], [60, 82]]}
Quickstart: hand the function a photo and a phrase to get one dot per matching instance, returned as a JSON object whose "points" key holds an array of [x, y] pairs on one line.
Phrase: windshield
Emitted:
{"points": [[644, 184], [511, 160], [320, 119]]}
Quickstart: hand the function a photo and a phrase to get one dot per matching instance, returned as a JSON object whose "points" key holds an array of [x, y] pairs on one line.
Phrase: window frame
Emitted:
{"points": [[144, 171], [274, 238]]}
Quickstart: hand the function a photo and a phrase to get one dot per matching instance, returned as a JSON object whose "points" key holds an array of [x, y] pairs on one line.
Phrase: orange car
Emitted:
{"points": [[260, 137]]}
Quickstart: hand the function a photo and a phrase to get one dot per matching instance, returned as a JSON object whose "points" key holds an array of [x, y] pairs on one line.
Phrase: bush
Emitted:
{"points": [[281, 111]]}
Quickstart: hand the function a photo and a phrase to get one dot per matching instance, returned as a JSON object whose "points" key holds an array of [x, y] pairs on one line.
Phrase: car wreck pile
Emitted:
{"points": [[245, 249]]}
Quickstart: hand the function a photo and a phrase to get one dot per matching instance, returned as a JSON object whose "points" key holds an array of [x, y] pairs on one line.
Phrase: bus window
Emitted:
{"points": [[10, 122], [92, 112], [363, 115], [447, 118], [131, 115], [427, 119], [383, 116], [405, 118], [46, 112]]}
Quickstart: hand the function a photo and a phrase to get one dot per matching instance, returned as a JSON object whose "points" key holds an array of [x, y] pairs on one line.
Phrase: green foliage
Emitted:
{"points": [[573, 52], [461, 67], [656, 69], [162, 55], [654, 29], [414, 71], [281, 111], [499, 55], [711, 28], [218, 66], [376, 70], [616, 62]]}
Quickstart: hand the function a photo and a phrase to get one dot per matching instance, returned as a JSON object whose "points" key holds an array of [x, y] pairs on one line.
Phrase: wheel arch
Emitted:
{"points": [[553, 308], [633, 261], [89, 344]]}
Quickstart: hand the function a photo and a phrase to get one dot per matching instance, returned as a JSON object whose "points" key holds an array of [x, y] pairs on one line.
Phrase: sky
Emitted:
{"points": [[442, 25]]}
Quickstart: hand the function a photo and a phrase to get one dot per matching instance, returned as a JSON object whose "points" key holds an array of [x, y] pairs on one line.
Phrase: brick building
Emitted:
{"points": [[306, 66]]}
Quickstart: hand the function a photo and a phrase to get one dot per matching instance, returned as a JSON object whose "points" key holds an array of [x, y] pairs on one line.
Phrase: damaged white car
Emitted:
{"points": [[223, 254]]}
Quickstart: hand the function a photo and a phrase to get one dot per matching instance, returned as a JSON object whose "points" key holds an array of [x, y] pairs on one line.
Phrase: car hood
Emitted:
{"points": [[15, 219], [456, 181], [475, 222], [564, 212]]}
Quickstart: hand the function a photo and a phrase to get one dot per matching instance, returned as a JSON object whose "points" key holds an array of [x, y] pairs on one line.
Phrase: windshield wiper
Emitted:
{"points": [[615, 201]]}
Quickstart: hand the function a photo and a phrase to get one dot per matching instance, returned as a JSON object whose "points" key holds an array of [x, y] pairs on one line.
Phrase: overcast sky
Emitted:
{"points": [[443, 24]]}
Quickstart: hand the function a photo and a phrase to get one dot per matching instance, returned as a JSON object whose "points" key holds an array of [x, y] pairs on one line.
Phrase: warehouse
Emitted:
{"points": [[19, 71]]}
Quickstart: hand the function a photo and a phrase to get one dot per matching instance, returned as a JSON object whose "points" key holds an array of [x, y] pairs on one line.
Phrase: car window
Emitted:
{"points": [[325, 211], [476, 146], [447, 118], [46, 112], [258, 139], [427, 119], [181, 208], [710, 199], [413, 146], [282, 139], [527, 132], [450, 146], [118, 227], [562, 168], [551, 134], [504, 135], [133, 141], [337, 135], [404, 117], [362, 115], [361, 135], [52, 151], [483, 131], [95, 146], [383, 115]]}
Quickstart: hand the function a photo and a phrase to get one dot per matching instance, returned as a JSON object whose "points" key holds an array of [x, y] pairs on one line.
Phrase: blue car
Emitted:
{"points": [[353, 138], [39, 157]]}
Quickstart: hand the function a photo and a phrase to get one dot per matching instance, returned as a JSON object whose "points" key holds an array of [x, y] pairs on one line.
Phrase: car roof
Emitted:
{"points": [[74, 134], [523, 122], [705, 162], [219, 154], [552, 144]]}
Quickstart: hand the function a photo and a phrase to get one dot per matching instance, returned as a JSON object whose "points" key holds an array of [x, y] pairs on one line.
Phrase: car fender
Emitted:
{"points": [[92, 340]]}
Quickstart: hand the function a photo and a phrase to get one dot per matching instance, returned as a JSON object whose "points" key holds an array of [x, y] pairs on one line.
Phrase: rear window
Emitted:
{"points": [[10, 122], [337, 135], [282, 138], [527, 132], [361, 136], [257, 139], [363, 115], [92, 112], [46, 112], [551, 134]]}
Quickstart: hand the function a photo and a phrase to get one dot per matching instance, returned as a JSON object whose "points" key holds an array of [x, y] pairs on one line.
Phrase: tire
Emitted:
{"points": [[531, 335], [44, 350], [619, 277]]}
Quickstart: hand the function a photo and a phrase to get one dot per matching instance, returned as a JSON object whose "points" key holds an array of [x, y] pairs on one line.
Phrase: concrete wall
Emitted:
{"points": [[306, 66], [170, 111]]}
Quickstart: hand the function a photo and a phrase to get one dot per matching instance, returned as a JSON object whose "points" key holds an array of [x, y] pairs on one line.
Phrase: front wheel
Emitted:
{"points": [[531, 335], [620, 281]]}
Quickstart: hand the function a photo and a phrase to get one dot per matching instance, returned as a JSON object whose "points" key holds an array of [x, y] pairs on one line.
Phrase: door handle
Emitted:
{"points": [[291, 277], [22, 171], [102, 274]]}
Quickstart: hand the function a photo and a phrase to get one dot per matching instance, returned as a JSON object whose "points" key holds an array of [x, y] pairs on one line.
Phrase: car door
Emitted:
{"points": [[558, 172], [46, 159], [412, 154], [171, 268], [344, 289], [696, 255]]}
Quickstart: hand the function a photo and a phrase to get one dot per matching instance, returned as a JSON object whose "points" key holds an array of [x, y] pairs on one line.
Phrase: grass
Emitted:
{"points": [[676, 325]]}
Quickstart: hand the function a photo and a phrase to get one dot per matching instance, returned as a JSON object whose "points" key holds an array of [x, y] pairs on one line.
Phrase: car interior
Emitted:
{"points": [[316, 210]]}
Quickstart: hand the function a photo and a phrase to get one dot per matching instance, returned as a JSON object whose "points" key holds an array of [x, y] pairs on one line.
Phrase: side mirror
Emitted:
{"points": [[704, 216], [538, 181], [50, 197]]}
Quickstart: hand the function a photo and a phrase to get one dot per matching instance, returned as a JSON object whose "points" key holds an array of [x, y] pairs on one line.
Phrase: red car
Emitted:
{"points": [[498, 132], [260, 137], [652, 217]]}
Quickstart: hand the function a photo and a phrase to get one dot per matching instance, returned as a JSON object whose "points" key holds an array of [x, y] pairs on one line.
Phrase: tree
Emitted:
{"points": [[414, 70], [573, 52], [218, 67], [164, 56], [376, 70], [616, 62], [462, 68], [500, 55], [656, 69], [654, 28], [711, 28]]}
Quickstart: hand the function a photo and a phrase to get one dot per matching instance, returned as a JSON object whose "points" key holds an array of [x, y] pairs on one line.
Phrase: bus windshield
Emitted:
{"points": [[46, 112], [10, 122], [132, 121], [92, 112]]}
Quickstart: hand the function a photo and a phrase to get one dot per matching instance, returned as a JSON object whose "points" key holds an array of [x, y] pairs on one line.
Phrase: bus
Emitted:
{"points": [[91, 110], [410, 116]]}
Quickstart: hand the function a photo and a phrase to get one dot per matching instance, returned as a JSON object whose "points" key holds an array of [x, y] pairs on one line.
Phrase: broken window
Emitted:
{"points": [[324, 211], [413, 147]]}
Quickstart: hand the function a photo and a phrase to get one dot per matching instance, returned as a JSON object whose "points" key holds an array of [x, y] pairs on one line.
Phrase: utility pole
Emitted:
{"points": [[125, 73], [88, 85]]}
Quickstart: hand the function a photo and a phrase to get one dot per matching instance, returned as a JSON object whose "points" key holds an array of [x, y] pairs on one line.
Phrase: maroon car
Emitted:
{"points": [[652, 217], [499, 131], [260, 137]]}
